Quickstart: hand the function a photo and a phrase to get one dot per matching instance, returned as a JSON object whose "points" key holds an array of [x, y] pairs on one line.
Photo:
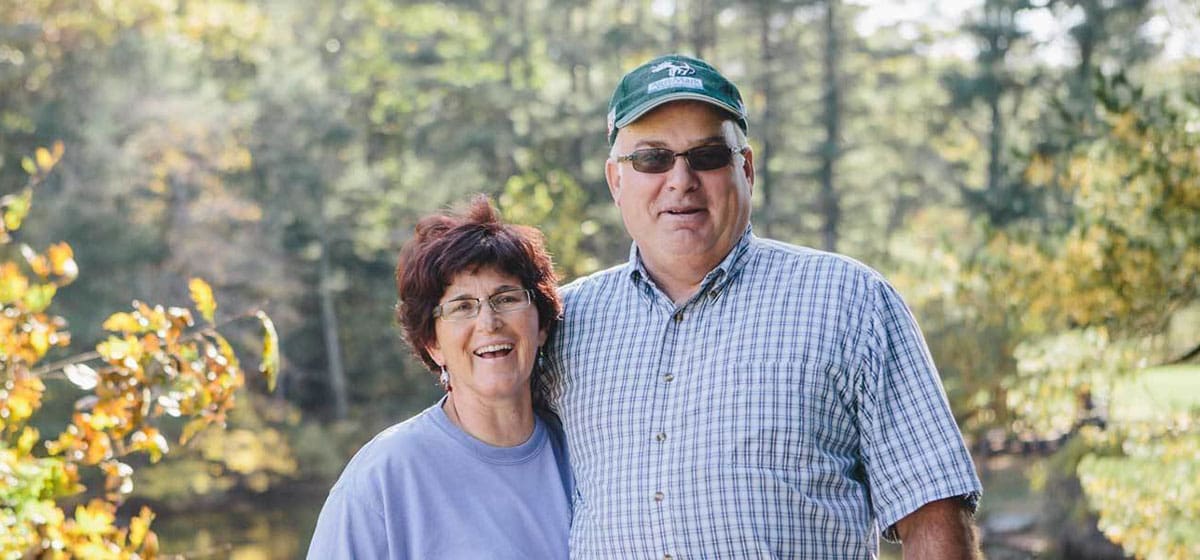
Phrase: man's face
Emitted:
{"points": [[681, 218]]}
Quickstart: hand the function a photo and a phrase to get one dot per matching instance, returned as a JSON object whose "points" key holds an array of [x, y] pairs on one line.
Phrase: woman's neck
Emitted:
{"points": [[502, 424]]}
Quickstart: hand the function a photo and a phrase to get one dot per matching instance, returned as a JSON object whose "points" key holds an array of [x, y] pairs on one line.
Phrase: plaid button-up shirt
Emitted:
{"points": [[790, 409]]}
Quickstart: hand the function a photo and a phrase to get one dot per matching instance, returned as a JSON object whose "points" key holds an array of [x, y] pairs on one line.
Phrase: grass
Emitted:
{"points": [[1155, 392]]}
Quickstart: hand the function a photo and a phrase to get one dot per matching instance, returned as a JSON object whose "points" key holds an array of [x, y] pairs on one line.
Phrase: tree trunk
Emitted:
{"points": [[831, 149], [763, 165], [329, 321], [995, 141], [704, 24]]}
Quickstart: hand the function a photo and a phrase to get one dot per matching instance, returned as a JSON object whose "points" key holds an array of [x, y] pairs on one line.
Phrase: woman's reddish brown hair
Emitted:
{"points": [[449, 243]]}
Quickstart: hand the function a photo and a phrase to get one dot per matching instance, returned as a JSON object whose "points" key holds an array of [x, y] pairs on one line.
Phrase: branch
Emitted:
{"points": [[1190, 354], [53, 367]]}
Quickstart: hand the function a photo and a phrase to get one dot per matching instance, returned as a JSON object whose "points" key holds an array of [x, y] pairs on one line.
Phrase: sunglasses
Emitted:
{"points": [[662, 160]]}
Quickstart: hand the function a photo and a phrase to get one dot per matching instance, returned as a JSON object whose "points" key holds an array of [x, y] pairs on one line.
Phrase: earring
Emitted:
{"points": [[444, 379]]}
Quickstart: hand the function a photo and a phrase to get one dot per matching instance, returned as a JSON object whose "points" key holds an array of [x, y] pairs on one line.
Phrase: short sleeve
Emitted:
{"points": [[349, 527], [911, 446]]}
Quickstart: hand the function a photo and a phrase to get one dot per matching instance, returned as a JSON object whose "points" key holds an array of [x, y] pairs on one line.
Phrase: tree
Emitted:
{"points": [[1096, 300], [156, 364], [1003, 197]]}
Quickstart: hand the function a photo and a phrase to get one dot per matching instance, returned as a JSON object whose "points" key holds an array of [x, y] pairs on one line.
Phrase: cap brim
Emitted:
{"points": [[646, 107]]}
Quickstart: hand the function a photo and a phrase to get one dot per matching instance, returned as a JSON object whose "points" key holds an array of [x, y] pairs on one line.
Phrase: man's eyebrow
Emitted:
{"points": [[651, 143]]}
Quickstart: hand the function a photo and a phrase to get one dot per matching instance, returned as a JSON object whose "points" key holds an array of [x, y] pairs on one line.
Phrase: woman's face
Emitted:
{"points": [[489, 357]]}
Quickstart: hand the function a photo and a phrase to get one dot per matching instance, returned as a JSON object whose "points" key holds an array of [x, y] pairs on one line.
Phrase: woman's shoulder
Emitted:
{"points": [[388, 453]]}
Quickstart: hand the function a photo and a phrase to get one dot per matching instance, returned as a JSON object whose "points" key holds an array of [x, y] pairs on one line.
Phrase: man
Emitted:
{"points": [[726, 396]]}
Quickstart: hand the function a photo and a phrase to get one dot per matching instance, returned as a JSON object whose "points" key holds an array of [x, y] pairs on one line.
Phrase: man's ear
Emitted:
{"points": [[612, 175], [748, 167]]}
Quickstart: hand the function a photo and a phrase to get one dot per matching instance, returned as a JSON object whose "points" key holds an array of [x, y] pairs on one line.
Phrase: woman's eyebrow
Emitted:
{"points": [[500, 288]]}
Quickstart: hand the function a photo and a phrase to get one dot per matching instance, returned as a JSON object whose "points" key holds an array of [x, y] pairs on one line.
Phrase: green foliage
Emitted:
{"points": [[1146, 494], [555, 204], [155, 364], [1096, 300]]}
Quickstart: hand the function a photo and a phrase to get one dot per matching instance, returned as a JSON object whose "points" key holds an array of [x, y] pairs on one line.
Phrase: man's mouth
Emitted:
{"points": [[494, 350], [682, 211]]}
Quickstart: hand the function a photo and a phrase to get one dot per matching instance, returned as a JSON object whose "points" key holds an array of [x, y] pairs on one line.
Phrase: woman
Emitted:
{"points": [[480, 474]]}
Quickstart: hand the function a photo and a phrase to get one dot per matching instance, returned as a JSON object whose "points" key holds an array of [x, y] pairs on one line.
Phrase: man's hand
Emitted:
{"points": [[941, 530]]}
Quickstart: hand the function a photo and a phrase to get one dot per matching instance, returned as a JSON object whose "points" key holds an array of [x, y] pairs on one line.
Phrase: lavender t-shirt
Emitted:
{"points": [[425, 489]]}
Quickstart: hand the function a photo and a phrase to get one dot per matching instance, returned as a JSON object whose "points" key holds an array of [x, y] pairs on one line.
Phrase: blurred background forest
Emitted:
{"points": [[1027, 172]]}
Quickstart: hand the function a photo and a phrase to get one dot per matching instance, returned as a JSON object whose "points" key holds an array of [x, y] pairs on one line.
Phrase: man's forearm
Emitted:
{"points": [[940, 530]]}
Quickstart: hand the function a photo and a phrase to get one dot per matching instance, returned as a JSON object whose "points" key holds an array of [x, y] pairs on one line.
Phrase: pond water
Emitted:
{"points": [[280, 530]]}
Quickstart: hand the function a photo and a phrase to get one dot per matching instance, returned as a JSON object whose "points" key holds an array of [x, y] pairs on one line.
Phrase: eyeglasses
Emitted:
{"points": [[662, 160], [468, 307]]}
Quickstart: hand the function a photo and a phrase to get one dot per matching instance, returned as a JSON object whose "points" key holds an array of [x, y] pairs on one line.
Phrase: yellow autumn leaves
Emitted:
{"points": [[156, 363]]}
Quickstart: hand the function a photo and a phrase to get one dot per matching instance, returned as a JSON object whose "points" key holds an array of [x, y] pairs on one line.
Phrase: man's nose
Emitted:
{"points": [[681, 176]]}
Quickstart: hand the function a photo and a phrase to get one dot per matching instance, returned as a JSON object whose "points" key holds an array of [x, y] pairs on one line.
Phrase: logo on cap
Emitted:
{"points": [[677, 73], [674, 68]]}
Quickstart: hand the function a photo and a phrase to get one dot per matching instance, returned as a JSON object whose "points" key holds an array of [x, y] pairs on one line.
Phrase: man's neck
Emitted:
{"points": [[679, 280]]}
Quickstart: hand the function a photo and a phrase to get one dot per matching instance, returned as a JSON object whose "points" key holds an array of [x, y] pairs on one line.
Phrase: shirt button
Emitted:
{"points": [[667, 557], [668, 378], [661, 436], [678, 316], [714, 293], [659, 496]]}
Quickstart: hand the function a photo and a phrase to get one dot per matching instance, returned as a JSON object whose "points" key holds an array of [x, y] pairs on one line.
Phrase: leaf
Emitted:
{"points": [[123, 323], [99, 447], [44, 160], [39, 340], [191, 429], [270, 358], [202, 296], [38, 263], [19, 400], [150, 550], [16, 207], [28, 165], [13, 283], [62, 261], [82, 376], [39, 297], [150, 440], [118, 478], [225, 350], [96, 519], [139, 527], [29, 437], [87, 402]]}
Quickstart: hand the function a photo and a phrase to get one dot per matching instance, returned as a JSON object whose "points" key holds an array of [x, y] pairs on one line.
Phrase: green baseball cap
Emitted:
{"points": [[672, 77]]}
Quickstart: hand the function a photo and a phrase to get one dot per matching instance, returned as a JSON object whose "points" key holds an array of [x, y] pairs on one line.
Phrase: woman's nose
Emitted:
{"points": [[488, 318]]}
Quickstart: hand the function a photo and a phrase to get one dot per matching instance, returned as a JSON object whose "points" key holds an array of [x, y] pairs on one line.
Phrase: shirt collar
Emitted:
{"points": [[718, 276]]}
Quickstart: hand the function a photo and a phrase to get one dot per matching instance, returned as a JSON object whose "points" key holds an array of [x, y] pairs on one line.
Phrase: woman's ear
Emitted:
{"points": [[435, 352]]}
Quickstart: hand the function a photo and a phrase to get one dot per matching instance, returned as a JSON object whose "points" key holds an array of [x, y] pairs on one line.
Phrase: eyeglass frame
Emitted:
{"points": [[675, 155], [478, 304]]}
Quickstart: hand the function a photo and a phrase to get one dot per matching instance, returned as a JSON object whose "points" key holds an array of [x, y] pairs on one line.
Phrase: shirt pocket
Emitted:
{"points": [[782, 414]]}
